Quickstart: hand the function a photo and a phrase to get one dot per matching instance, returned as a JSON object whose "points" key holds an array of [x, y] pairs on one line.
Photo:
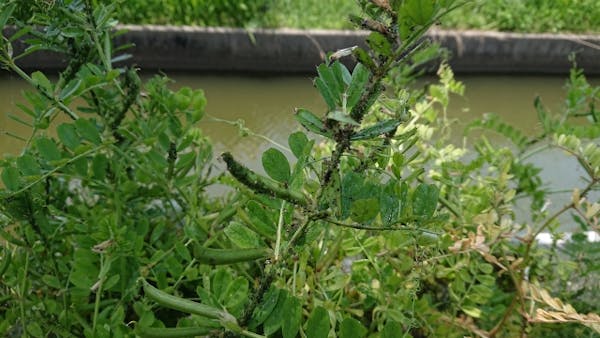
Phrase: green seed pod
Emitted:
{"points": [[262, 184], [230, 256], [182, 304]]}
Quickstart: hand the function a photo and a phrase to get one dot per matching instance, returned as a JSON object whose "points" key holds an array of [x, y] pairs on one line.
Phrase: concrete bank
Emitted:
{"points": [[198, 49]]}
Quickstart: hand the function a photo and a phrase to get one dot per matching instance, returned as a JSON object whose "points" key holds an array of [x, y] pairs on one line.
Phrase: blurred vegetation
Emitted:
{"points": [[578, 16]]}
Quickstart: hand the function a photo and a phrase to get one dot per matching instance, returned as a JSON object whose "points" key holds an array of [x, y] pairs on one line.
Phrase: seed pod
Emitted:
{"points": [[184, 305], [229, 256], [262, 184]]}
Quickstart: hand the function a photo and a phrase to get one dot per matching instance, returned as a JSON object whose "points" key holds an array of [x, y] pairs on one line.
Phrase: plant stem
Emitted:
{"points": [[22, 294], [279, 229], [380, 228], [98, 296]]}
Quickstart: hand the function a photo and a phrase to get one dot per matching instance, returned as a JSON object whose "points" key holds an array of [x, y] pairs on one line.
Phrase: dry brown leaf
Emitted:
{"points": [[560, 312]]}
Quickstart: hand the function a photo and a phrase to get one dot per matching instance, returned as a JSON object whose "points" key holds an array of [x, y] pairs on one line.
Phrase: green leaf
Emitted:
{"points": [[67, 134], [264, 309], [335, 85], [342, 117], [5, 14], [48, 149], [318, 323], [397, 164], [241, 236], [236, 296], [341, 72], [34, 329], [486, 268], [390, 203], [543, 116], [297, 141], [325, 93], [260, 219], [483, 291], [28, 165], [391, 330], [219, 283], [99, 166], [111, 282], [355, 187], [70, 89], [11, 178], [183, 251], [425, 200], [420, 11], [197, 105], [471, 311], [379, 43], [275, 319], [351, 186], [297, 179], [352, 328], [439, 93], [364, 210], [81, 166], [360, 78], [311, 122], [379, 128], [40, 80], [276, 165], [87, 129], [493, 122], [292, 318]]}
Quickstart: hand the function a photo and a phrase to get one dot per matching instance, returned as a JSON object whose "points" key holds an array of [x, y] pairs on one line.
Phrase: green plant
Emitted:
{"points": [[86, 212], [449, 262], [379, 227]]}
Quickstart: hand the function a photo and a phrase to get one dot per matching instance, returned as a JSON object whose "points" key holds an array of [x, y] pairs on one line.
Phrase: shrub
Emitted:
{"points": [[380, 227]]}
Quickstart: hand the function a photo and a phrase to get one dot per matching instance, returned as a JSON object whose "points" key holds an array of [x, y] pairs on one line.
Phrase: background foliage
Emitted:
{"points": [[577, 16]]}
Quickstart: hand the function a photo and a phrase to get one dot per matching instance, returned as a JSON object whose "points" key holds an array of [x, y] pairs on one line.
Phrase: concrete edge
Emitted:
{"points": [[285, 51]]}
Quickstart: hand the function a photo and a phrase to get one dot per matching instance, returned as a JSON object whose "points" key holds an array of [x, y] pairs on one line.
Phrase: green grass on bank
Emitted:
{"points": [[328, 14], [578, 16]]}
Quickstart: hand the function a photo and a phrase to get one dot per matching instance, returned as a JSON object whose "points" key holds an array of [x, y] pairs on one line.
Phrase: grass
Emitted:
{"points": [[577, 16], [311, 14]]}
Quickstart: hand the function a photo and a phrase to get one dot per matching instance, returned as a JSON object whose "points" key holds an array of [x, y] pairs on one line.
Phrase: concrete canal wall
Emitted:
{"points": [[200, 49]]}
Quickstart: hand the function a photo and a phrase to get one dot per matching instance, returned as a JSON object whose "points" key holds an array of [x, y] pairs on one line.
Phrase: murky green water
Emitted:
{"points": [[266, 104]]}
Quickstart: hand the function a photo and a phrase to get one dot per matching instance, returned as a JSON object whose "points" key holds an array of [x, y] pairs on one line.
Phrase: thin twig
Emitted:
{"points": [[378, 228]]}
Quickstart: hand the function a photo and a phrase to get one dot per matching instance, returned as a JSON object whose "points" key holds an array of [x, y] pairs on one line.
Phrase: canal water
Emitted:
{"points": [[266, 105]]}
